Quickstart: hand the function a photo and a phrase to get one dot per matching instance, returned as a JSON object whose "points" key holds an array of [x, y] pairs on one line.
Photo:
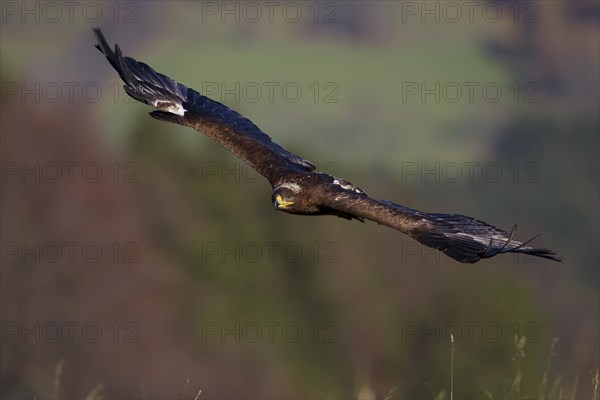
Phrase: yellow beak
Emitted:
{"points": [[279, 203]]}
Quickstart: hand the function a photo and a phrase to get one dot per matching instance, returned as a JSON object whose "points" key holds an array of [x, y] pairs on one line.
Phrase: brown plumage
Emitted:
{"points": [[297, 187]]}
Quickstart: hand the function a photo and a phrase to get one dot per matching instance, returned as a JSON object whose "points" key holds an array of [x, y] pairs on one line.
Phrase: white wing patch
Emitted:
{"points": [[294, 187], [346, 185], [486, 241], [169, 107]]}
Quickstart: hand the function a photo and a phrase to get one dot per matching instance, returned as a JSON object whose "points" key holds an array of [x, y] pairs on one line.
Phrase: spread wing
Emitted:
{"points": [[182, 105], [462, 238]]}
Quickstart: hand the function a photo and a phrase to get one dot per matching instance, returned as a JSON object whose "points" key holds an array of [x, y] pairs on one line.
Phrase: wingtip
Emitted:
{"points": [[551, 255], [101, 43], [542, 252], [98, 33]]}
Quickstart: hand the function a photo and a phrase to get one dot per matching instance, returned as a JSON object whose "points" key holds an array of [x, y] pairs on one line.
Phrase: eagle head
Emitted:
{"points": [[284, 196]]}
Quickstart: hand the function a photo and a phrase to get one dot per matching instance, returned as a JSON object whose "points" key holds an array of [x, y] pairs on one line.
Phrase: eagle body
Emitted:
{"points": [[297, 187], [304, 194]]}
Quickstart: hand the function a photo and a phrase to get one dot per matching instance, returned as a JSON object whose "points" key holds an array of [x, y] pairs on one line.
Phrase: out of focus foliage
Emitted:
{"points": [[216, 263]]}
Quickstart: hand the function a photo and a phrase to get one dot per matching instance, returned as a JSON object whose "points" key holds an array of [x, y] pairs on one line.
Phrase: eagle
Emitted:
{"points": [[297, 187]]}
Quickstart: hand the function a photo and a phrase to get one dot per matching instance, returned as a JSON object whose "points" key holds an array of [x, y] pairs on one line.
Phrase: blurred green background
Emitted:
{"points": [[199, 285]]}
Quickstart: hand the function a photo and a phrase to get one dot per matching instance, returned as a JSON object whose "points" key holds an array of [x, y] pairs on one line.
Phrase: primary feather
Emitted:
{"points": [[180, 104]]}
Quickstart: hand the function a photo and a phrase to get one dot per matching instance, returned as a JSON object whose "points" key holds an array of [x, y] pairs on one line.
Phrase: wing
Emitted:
{"points": [[462, 238], [179, 104]]}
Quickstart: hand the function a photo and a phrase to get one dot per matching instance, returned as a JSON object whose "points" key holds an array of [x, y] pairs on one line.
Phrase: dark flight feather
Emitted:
{"points": [[235, 132], [462, 238], [307, 192]]}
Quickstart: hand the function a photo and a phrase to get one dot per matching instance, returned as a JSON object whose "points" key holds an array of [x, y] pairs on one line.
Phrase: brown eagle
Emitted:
{"points": [[297, 187]]}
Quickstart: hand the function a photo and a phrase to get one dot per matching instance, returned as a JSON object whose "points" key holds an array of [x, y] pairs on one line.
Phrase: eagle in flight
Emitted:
{"points": [[297, 187]]}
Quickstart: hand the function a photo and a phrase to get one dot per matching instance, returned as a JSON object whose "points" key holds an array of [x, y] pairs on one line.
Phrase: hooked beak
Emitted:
{"points": [[279, 203]]}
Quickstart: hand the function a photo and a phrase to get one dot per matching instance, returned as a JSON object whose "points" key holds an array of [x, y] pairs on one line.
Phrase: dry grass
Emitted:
{"points": [[546, 392], [553, 392]]}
